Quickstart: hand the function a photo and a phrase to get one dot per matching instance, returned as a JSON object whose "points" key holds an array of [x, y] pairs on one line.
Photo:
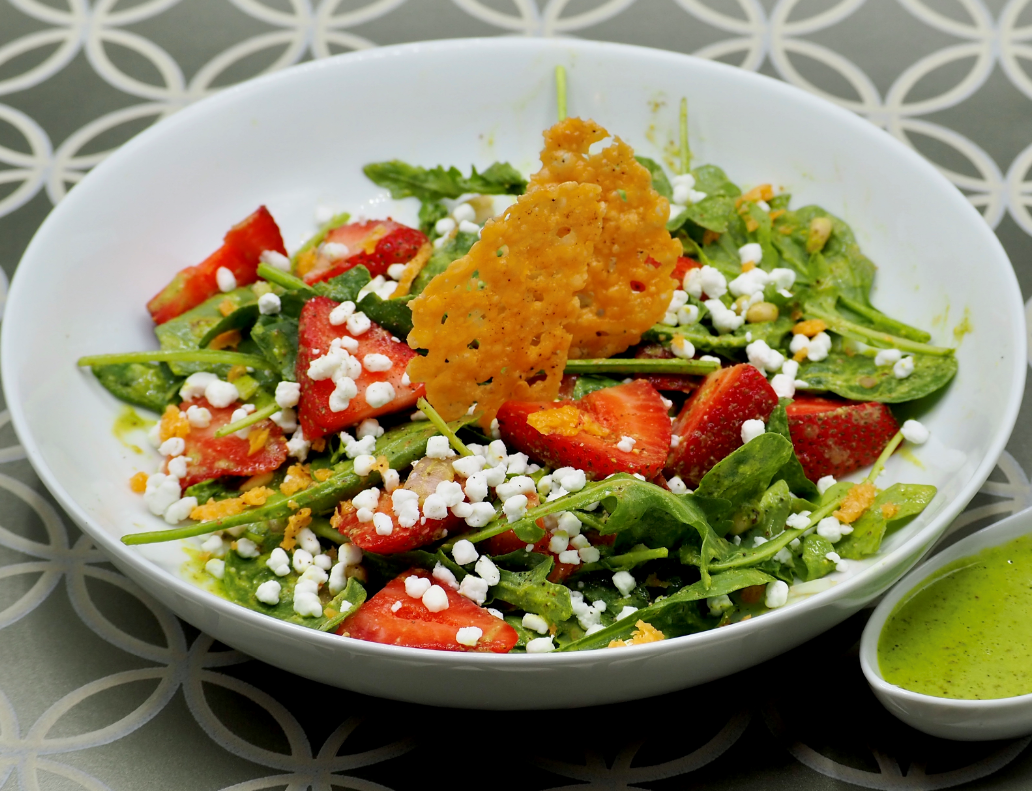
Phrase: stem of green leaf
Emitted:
{"points": [[686, 152], [439, 422], [646, 366], [186, 356], [285, 279], [250, 420], [883, 457], [861, 333]]}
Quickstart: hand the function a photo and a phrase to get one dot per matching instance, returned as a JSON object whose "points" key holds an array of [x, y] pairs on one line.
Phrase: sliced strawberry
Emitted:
{"points": [[680, 383], [592, 428], [376, 245], [240, 253], [681, 269], [423, 480], [710, 423], [315, 333], [395, 618], [215, 457], [836, 437]]}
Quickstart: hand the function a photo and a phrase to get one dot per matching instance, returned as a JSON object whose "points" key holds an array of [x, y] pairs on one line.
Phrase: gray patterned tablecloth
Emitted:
{"points": [[101, 688]]}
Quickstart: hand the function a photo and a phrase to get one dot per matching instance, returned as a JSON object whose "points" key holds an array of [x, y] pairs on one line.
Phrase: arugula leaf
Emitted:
{"points": [[660, 182], [713, 213], [149, 385], [531, 591], [907, 500], [345, 286], [214, 489], [676, 614], [429, 213], [432, 184], [858, 378], [714, 181]]}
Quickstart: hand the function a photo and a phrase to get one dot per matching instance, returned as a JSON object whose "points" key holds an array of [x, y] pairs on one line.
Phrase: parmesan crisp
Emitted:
{"points": [[629, 277], [494, 322]]}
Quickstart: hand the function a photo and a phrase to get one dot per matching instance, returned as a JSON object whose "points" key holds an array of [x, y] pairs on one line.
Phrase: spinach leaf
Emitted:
{"points": [[677, 613], [813, 564], [276, 337], [429, 213], [432, 184], [394, 315], [714, 213], [242, 577], [857, 377], [773, 509], [345, 286], [745, 474], [214, 489], [660, 182], [452, 250], [240, 319], [637, 555], [714, 181], [184, 332], [531, 591], [589, 383], [900, 501], [148, 385], [792, 471]]}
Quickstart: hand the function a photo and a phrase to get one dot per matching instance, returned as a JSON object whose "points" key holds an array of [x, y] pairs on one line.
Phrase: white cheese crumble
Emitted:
{"points": [[751, 429], [226, 279], [624, 582], [468, 635], [435, 599], [268, 593], [777, 594], [913, 431]]}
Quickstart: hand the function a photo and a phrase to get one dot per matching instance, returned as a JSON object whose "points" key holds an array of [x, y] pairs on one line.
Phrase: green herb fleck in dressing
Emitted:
{"points": [[966, 633]]}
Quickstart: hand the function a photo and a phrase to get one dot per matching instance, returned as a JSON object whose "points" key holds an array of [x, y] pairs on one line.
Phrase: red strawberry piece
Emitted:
{"points": [[315, 333], [215, 457], [395, 618], [836, 437], [376, 245], [592, 428], [710, 423], [240, 253], [681, 269], [423, 480]]}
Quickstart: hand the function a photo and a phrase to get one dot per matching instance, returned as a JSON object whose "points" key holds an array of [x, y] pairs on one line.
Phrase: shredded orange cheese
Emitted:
{"points": [[494, 321], [644, 633], [763, 192], [301, 519], [236, 372], [889, 510], [709, 237], [858, 499], [629, 284], [297, 480], [226, 340], [810, 327], [412, 269], [173, 424], [138, 483], [322, 475], [257, 496], [218, 509], [319, 444], [748, 266], [565, 421], [256, 440], [227, 306]]}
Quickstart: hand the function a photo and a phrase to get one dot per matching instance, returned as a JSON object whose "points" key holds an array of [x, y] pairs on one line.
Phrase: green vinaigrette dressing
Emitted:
{"points": [[967, 633]]}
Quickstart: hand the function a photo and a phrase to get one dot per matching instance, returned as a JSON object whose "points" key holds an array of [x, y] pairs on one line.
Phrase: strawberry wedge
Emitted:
{"points": [[376, 245], [710, 423], [208, 456], [372, 360], [618, 429], [836, 437], [240, 253]]}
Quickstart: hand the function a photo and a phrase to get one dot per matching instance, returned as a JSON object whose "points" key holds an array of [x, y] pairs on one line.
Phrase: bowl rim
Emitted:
{"points": [[562, 49], [1014, 526]]}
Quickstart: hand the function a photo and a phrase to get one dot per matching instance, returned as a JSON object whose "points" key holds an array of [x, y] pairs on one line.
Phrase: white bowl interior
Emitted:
{"points": [[300, 138], [969, 720]]}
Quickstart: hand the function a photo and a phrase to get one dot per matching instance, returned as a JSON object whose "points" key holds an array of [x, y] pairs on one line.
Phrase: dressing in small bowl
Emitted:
{"points": [[949, 651]]}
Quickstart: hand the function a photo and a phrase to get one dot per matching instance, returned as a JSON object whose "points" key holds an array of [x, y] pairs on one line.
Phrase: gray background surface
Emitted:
{"points": [[102, 688]]}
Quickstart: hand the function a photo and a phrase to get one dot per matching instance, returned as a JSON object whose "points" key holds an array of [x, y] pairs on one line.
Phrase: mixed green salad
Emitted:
{"points": [[685, 482]]}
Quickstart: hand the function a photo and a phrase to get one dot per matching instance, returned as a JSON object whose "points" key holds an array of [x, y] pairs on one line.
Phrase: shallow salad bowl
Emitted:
{"points": [[298, 139]]}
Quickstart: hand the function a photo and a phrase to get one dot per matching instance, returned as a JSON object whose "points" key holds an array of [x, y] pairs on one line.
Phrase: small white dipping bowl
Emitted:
{"points": [[948, 718]]}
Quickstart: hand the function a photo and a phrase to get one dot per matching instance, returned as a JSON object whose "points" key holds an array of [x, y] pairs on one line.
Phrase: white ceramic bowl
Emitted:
{"points": [[299, 138], [948, 718]]}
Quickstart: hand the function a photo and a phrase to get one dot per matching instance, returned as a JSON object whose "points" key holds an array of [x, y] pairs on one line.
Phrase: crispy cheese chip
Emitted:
{"points": [[494, 320], [629, 278]]}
